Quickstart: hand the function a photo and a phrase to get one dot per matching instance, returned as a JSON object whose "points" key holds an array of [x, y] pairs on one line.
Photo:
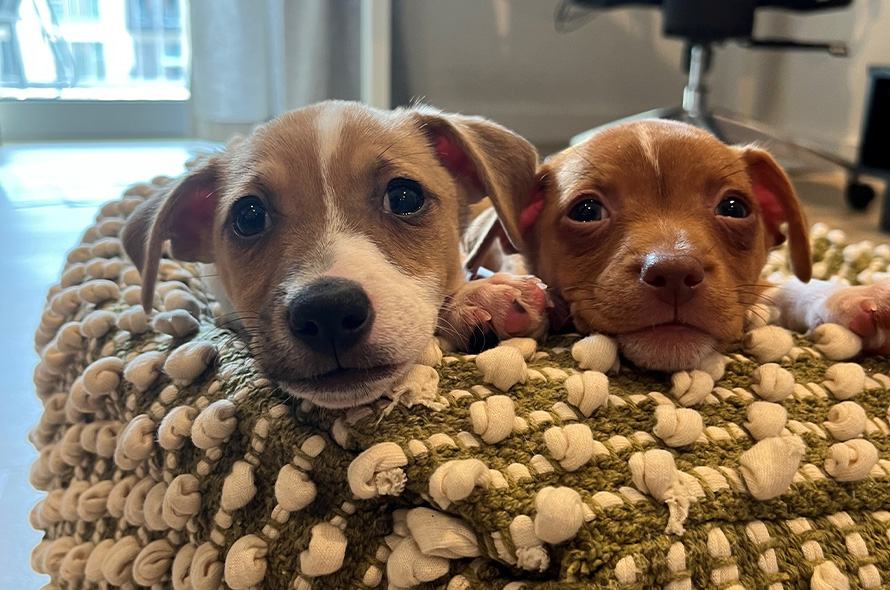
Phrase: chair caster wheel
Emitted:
{"points": [[859, 195]]}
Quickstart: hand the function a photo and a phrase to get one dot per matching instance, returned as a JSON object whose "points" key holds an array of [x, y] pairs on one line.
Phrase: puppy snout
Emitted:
{"points": [[673, 278], [331, 315]]}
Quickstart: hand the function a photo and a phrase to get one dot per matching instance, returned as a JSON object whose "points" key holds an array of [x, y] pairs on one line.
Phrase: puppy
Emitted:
{"points": [[656, 232], [335, 231]]}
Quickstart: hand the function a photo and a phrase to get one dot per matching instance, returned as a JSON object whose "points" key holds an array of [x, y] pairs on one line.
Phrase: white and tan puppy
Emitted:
{"points": [[335, 231]]}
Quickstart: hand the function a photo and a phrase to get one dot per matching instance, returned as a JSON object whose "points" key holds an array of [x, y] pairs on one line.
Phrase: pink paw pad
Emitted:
{"points": [[864, 310]]}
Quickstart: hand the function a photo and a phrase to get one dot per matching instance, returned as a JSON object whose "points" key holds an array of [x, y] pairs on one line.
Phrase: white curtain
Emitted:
{"points": [[255, 59]]}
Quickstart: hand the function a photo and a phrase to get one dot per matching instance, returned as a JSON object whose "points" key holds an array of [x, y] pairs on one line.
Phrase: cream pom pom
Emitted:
{"points": [[836, 342], [571, 445], [560, 514], [596, 352], [177, 323], [382, 458], [455, 480], [153, 562], [246, 562], [190, 360], [766, 419], [103, 376], [655, 473], [690, 388], [214, 424], [239, 487], [294, 490], [502, 366], [845, 380], [677, 427], [181, 501], [326, 551], [768, 343], [135, 442], [493, 418], [408, 566], [851, 460], [846, 420], [827, 576], [587, 391], [441, 535], [772, 382], [769, 466], [117, 567], [176, 427], [144, 370]]}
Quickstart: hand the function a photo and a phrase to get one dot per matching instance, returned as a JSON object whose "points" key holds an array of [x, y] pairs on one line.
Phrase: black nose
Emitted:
{"points": [[674, 278], [330, 315]]}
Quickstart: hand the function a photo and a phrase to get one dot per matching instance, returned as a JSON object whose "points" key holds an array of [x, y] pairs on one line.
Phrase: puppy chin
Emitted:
{"points": [[671, 353], [341, 395]]}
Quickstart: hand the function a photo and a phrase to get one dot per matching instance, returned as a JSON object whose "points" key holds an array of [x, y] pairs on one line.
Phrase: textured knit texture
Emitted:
{"points": [[169, 461]]}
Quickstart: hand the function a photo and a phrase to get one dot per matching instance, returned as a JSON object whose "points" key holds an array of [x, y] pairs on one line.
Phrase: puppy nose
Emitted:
{"points": [[674, 278], [330, 315]]}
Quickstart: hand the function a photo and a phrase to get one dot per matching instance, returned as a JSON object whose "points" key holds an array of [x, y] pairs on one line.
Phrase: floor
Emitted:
{"points": [[48, 195]]}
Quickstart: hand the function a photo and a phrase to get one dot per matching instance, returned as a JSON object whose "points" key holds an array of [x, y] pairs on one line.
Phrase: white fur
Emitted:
{"points": [[649, 149], [406, 307], [328, 128], [406, 310]]}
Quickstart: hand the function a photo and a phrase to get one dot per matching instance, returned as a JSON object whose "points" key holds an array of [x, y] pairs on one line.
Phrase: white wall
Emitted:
{"points": [[810, 95], [504, 59]]}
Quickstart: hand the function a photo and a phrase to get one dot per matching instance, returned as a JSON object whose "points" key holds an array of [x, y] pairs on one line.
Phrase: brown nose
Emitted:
{"points": [[673, 278]]}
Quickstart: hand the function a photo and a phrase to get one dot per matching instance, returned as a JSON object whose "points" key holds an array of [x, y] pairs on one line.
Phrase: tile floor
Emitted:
{"points": [[48, 195]]}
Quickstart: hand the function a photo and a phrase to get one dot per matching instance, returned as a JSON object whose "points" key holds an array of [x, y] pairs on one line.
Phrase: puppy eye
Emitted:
{"points": [[732, 207], [403, 197], [587, 211], [249, 216]]}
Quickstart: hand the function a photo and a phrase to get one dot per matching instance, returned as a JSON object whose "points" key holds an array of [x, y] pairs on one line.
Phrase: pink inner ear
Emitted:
{"points": [[193, 219], [531, 212], [201, 205], [773, 213], [456, 161]]}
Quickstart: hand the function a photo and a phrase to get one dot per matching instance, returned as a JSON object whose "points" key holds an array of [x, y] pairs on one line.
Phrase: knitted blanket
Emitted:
{"points": [[170, 461]]}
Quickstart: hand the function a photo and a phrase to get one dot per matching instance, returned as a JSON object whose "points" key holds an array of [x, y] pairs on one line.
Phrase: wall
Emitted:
{"points": [[810, 95], [505, 60]]}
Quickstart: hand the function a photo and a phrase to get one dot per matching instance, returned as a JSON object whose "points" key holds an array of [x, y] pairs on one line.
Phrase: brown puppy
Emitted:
{"points": [[657, 233], [335, 233]]}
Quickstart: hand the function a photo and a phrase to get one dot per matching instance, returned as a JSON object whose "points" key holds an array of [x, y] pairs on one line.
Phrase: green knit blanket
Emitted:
{"points": [[170, 461]]}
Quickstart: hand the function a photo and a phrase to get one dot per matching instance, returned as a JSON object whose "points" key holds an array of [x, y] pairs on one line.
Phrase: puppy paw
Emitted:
{"points": [[499, 307], [865, 311]]}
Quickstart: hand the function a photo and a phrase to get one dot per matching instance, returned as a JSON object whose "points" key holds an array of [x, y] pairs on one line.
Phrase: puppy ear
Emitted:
{"points": [[531, 209], [183, 215], [779, 204], [489, 160]]}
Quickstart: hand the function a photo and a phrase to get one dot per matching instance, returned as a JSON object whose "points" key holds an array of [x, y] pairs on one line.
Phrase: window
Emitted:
{"points": [[131, 50], [75, 10], [94, 68], [9, 62], [89, 62]]}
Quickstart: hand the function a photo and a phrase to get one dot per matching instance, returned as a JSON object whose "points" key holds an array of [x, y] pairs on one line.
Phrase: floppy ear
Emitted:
{"points": [[780, 204], [183, 215], [489, 160]]}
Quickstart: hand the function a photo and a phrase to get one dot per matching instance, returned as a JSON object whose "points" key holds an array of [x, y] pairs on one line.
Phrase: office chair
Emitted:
{"points": [[704, 23]]}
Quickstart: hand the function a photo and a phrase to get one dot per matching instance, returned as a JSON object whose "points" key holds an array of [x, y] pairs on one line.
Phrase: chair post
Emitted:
{"points": [[696, 91]]}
